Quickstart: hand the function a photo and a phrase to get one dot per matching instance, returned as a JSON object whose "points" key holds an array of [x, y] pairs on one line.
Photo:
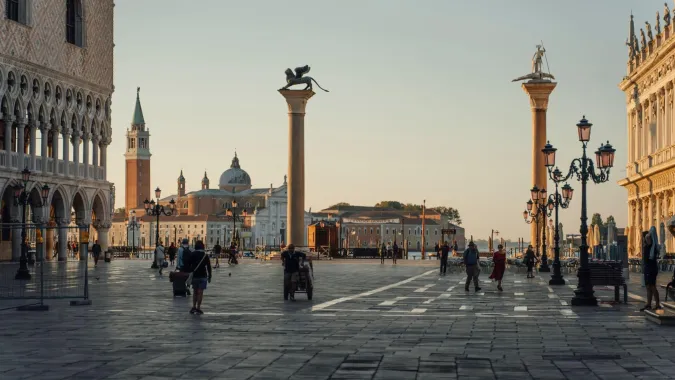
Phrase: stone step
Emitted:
{"points": [[665, 317], [668, 305]]}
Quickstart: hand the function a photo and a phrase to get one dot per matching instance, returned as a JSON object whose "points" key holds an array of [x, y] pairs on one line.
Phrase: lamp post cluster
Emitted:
{"points": [[232, 212], [538, 209], [585, 170], [22, 198], [558, 200], [156, 210]]}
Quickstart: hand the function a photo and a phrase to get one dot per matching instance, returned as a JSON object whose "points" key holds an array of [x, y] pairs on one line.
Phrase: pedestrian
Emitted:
{"points": [[383, 253], [436, 250], [529, 261], [75, 250], [96, 252], [172, 253], [292, 260], [471, 261], [445, 250], [499, 261], [159, 256], [455, 247], [217, 249], [395, 252], [650, 258], [184, 256], [201, 275]]}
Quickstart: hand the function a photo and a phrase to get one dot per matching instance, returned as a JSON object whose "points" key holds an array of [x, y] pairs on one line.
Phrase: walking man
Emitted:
{"points": [[395, 253], [217, 249], [184, 256], [472, 269], [292, 260], [383, 253], [201, 275], [159, 257], [445, 250], [96, 252]]}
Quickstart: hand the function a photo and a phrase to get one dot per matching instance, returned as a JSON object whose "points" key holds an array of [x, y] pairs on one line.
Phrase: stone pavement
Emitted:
{"points": [[367, 321]]}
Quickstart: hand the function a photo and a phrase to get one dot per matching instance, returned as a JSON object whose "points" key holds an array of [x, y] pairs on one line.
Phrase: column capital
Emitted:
{"points": [[296, 99], [9, 118], [45, 126], [95, 138], [21, 121], [539, 93]]}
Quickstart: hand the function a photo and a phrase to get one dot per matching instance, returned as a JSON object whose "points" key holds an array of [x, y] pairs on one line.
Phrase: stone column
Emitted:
{"points": [[44, 133], [66, 159], [33, 144], [20, 143], [94, 154], [49, 241], [55, 148], [16, 235], [63, 240], [76, 153], [9, 120], [103, 240], [104, 156], [539, 92], [85, 153], [296, 101]]}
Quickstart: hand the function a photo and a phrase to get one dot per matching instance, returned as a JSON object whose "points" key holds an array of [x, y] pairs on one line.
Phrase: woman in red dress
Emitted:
{"points": [[499, 260]]}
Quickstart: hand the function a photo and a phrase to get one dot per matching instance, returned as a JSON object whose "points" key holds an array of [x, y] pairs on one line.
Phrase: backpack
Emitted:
{"points": [[187, 258]]}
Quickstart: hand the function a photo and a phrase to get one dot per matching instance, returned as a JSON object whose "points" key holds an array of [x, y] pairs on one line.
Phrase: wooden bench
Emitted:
{"points": [[609, 274]]}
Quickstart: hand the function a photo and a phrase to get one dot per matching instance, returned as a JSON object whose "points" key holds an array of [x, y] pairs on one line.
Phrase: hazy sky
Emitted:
{"points": [[421, 103]]}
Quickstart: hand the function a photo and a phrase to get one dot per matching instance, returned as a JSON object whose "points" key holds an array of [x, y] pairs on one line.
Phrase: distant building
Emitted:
{"points": [[201, 214], [363, 226], [650, 171]]}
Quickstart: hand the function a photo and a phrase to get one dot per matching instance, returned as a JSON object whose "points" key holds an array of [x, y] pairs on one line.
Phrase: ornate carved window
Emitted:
{"points": [[75, 22]]}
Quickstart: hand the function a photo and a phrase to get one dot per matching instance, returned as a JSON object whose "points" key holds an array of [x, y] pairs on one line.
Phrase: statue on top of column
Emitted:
{"points": [[666, 15], [298, 78], [649, 31], [537, 67]]}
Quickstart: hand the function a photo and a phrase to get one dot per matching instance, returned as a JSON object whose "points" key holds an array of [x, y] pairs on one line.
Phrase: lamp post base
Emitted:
{"points": [[22, 274], [584, 298], [556, 280], [154, 266], [544, 267]]}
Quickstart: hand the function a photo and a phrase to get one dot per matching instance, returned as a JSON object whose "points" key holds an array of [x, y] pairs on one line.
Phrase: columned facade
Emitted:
{"points": [[650, 114], [55, 99]]}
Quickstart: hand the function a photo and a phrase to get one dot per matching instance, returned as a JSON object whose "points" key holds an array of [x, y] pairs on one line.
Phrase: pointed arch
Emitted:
{"points": [[42, 114]]}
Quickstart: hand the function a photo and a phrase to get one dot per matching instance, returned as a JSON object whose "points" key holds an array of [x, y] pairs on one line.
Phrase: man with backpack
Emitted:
{"points": [[471, 260]]}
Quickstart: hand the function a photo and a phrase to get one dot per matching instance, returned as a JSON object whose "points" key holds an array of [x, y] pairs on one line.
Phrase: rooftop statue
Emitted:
{"points": [[537, 67], [643, 40], [666, 15], [299, 78], [657, 26], [649, 31]]}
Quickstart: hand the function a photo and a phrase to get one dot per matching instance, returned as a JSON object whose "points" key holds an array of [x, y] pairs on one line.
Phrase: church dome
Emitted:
{"points": [[235, 177]]}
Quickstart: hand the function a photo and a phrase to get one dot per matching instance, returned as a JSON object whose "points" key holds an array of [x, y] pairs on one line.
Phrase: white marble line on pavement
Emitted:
{"points": [[370, 292]]}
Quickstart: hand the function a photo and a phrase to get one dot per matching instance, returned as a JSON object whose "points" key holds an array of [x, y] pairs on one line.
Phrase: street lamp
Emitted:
{"points": [[558, 200], [232, 212], [538, 208], [22, 198], [156, 210], [133, 224], [584, 169]]}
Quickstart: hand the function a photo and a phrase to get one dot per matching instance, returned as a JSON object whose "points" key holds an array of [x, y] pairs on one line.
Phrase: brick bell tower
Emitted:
{"points": [[137, 158]]}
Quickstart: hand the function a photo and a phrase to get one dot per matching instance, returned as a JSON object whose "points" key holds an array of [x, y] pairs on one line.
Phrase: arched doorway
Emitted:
{"points": [[8, 216], [78, 219], [57, 227], [98, 218]]}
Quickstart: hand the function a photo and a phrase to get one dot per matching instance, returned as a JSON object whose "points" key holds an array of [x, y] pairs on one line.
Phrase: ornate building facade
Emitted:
{"points": [[56, 83], [650, 172]]}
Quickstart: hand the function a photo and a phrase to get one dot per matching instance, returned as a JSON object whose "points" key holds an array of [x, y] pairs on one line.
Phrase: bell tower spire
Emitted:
{"points": [[137, 158]]}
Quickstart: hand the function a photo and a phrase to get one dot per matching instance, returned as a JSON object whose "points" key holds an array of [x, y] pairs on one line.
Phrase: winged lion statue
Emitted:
{"points": [[297, 77]]}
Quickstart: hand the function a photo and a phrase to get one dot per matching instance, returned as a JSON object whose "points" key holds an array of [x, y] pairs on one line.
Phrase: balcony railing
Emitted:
{"points": [[11, 161], [645, 163]]}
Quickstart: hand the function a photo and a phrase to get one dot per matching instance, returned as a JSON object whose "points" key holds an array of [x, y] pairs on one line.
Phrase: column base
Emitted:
{"points": [[22, 274], [583, 297], [80, 303], [33, 308], [544, 267], [556, 280]]}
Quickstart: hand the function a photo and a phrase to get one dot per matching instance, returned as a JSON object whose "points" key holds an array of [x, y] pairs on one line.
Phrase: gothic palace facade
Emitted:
{"points": [[56, 83]]}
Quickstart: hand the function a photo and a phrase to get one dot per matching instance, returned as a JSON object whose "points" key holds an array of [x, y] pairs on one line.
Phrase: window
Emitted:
{"points": [[74, 22], [387, 231], [17, 10]]}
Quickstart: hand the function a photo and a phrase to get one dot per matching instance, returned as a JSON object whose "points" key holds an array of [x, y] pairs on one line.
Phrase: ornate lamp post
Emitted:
{"points": [[156, 210], [133, 224], [584, 169], [559, 201], [542, 209], [232, 212], [22, 198]]}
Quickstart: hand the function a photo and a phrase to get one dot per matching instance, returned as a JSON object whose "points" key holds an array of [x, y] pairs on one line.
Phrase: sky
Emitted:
{"points": [[421, 104]]}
